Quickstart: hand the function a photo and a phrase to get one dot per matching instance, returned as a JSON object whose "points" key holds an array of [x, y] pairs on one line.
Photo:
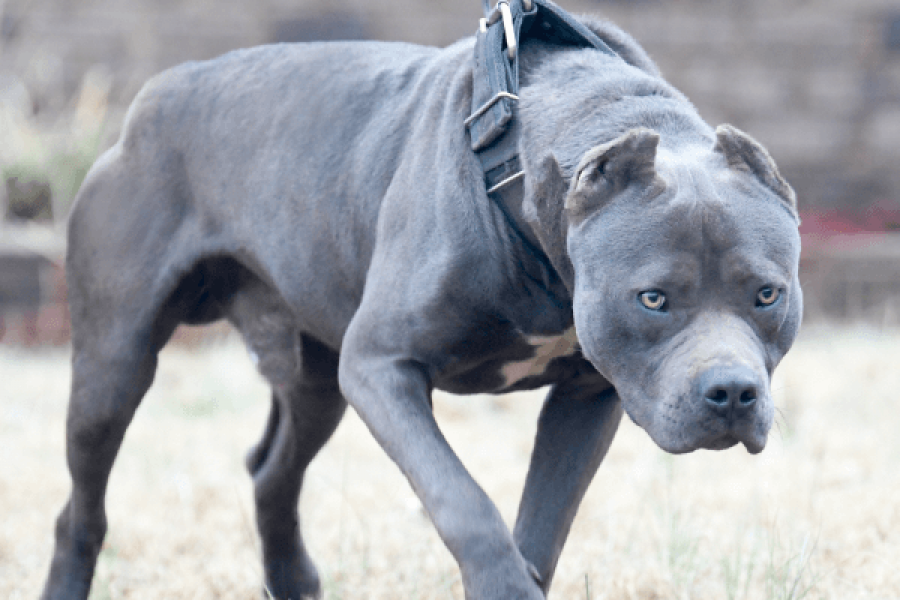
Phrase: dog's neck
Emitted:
{"points": [[511, 199], [533, 211]]}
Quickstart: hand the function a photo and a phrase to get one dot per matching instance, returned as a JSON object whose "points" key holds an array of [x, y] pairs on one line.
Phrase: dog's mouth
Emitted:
{"points": [[752, 443], [687, 436], [722, 442]]}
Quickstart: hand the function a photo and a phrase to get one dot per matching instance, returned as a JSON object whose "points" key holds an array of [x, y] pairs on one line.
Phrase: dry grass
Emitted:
{"points": [[817, 515]]}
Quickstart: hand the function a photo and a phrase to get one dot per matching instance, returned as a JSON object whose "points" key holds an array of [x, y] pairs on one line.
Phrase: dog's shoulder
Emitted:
{"points": [[621, 43]]}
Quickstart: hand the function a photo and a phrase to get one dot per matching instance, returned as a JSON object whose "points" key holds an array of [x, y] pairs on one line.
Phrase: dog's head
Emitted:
{"points": [[684, 276]]}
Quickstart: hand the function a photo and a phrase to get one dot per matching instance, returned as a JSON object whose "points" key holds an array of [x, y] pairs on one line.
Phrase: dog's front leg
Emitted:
{"points": [[392, 396], [576, 426]]}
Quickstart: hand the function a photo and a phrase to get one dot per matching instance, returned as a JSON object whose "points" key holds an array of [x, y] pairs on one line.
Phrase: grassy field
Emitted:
{"points": [[817, 515]]}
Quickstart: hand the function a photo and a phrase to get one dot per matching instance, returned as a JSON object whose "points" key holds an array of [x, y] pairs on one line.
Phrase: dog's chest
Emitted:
{"points": [[544, 349], [521, 362]]}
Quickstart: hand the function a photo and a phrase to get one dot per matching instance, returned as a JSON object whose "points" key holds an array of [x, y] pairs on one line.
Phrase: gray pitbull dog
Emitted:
{"points": [[324, 198]]}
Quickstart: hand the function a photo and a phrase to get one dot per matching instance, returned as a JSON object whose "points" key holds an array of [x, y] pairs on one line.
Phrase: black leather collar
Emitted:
{"points": [[493, 128], [496, 72]]}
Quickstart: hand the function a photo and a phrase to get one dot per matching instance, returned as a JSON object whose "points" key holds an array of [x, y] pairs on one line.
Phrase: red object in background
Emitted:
{"points": [[818, 224], [837, 230]]}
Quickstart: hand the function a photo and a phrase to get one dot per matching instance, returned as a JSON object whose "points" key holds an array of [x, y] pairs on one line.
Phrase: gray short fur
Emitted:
{"points": [[324, 198]]}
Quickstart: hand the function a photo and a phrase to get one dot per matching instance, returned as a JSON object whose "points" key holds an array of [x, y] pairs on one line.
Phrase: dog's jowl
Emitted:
{"points": [[332, 202]]}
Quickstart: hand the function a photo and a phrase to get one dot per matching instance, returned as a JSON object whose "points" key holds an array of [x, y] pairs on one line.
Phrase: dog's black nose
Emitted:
{"points": [[729, 390]]}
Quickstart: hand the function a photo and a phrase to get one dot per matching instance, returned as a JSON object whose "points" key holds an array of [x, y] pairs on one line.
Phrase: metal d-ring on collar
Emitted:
{"points": [[502, 11]]}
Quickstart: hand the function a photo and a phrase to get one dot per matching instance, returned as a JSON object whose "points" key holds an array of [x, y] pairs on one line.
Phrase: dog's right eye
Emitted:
{"points": [[653, 299], [767, 296]]}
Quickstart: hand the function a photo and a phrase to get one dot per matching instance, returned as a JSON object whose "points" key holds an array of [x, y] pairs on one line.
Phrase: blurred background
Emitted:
{"points": [[816, 516], [817, 81]]}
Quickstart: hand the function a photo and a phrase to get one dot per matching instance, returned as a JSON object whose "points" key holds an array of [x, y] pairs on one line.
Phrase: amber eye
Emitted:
{"points": [[767, 296], [653, 300]]}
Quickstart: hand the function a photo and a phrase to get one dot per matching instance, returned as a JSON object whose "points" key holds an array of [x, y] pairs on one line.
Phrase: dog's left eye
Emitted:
{"points": [[653, 300], [767, 296]]}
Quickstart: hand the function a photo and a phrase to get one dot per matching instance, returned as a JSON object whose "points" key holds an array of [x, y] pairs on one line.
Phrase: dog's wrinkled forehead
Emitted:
{"points": [[697, 203], [706, 216], [710, 214], [730, 207]]}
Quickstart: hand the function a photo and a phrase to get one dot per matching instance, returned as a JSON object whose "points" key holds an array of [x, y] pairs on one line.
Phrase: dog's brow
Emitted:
{"points": [[674, 270], [743, 270]]}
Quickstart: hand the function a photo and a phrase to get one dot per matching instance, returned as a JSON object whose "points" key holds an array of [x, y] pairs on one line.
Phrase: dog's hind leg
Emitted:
{"points": [[114, 361], [123, 271], [108, 381], [305, 412]]}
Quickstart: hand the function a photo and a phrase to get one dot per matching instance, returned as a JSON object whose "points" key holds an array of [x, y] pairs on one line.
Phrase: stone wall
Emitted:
{"points": [[818, 81]]}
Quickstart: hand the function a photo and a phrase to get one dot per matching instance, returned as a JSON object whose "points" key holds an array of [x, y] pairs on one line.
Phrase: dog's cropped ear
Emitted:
{"points": [[545, 191], [743, 153], [609, 168]]}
